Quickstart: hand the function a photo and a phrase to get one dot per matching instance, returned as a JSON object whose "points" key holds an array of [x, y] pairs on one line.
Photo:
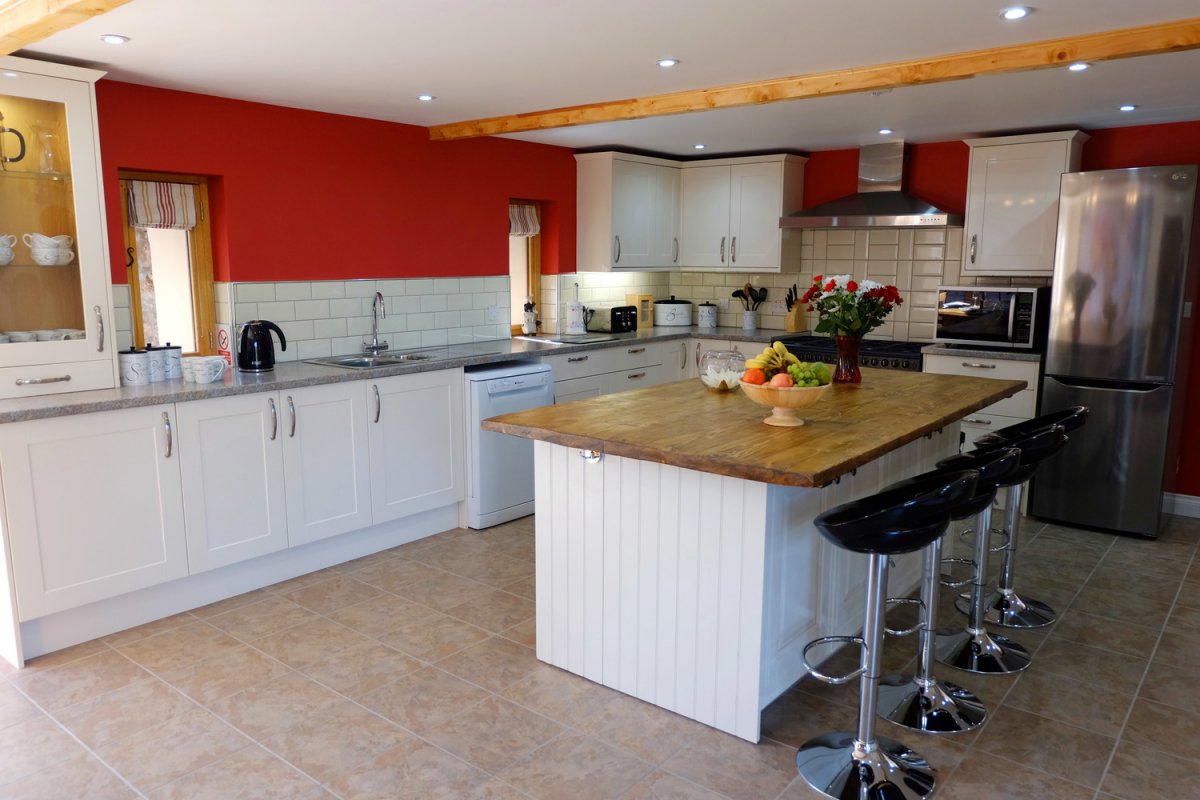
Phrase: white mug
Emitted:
{"points": [[21, 336], [209, 369], [186, 366], [50, 336], [6, 256], [8, 240]]}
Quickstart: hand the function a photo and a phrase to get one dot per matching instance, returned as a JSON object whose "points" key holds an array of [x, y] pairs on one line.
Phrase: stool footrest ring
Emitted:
{"points": [[970, 562], [963, 534], [836, 680], [904, 601]]}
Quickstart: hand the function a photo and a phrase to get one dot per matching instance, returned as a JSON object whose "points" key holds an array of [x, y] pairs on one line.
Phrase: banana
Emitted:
{"points": [[780, 348], [755, 363], [791, 359]]}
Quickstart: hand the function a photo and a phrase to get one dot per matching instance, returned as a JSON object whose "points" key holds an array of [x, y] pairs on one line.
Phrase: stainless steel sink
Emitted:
{"points": [[368, 362], [581, 338]]}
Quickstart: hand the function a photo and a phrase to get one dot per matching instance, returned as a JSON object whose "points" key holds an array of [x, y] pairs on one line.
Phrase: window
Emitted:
{"points": [[524, 259], [168, 247]]}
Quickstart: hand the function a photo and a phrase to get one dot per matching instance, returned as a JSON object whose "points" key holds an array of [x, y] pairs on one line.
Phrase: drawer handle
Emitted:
{"points": [[274, 418], [635, 350], [576, 359], [633, 376], [977, 365], [292, 410], [167, 425], [722, 249], [378, 403], [733, 250], [974, 244], [617, 258], [36, 381], [977, 421]]}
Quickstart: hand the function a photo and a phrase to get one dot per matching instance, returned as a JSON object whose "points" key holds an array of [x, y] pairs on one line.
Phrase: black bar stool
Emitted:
{"points": [[1005, 607], [921, 701], [898, 520], [974, 649]]}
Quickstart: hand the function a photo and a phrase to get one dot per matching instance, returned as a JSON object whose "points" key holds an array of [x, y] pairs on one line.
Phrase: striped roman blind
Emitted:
{"points": [[156, 204], [523, 220]]}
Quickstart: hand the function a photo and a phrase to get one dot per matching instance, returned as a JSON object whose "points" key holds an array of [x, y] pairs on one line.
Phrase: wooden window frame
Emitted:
{"points": [[204, 316], [533, 273]]}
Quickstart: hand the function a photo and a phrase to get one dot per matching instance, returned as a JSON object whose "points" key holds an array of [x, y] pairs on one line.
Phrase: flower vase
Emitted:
{"points": [[847, 360]]}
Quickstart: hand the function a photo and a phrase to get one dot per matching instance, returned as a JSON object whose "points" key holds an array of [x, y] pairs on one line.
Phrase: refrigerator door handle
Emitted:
{"points": [[1012, 314], [1109, 386]]}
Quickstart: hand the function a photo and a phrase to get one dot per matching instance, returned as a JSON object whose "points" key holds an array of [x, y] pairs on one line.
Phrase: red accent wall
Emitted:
{"points": [[936, 172], [301, 195]]}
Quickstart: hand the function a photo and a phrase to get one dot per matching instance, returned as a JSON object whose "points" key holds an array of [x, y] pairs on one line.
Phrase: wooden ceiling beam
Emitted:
{"points": [[1165, 37], [23, 22]]}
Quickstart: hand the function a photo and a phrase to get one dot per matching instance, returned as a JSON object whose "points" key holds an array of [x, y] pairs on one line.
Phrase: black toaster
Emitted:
{"points": [[614, 319]]}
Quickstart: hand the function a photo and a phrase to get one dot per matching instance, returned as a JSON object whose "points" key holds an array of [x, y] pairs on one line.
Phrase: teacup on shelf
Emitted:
{"points": [[33, 240], [51, 256]]}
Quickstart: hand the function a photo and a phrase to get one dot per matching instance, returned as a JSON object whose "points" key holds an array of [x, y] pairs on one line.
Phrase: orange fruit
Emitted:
{"points": [[755, 376]]}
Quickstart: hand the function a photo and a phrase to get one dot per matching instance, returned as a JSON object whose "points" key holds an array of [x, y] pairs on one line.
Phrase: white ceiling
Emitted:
{"points": [[370, 58]]}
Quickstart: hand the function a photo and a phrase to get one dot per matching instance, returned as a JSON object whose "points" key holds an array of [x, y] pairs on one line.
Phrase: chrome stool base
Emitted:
{"points": [[940, 707], [1007, 609], [836, 765], [984, 653]]}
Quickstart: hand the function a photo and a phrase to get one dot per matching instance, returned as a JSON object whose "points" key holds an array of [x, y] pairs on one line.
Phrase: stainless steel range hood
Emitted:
{"points": [[879, 203]]}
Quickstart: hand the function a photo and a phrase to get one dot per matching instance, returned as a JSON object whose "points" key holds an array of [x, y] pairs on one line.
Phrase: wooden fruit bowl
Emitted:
{"points": [[784, 403]]}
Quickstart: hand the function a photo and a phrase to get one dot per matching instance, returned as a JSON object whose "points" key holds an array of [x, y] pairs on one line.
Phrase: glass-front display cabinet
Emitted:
{"points": [[55, 296]]}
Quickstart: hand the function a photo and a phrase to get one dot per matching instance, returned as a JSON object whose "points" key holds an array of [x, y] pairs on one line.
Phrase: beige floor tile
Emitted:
{"points": [[230, 603], [261, 710], [378, 615], [214, 678], [494, 664], [79, 680], [80, 777], [558, 694], [522, 588], [1147, 773], [577, 767], [524, 633], [123, 712], [1078, 755], [1077, 625], [395, 575], [660, 785], [423, 699], [493, 734], [493, 610], [64, 656], [329, 595], [495, 569], [1115, 671], [262, 618], [14, 706], [1185, 618], [180, 646], [247, 774], [984, 776], [335, 739], [362, 563], [412, 770], [166, 752], [33, 745], [1088, 705], [444, 591], [1171, 730], [300, 581], [361, 669], [734, 767], [430, 635], [1172, 685], [309, 642], [646, 731], [149, 629], [494, 789], [1178, 647]]}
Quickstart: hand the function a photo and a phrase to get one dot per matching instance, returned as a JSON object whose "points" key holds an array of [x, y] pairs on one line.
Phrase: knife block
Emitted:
{"points": [[794, 321]]}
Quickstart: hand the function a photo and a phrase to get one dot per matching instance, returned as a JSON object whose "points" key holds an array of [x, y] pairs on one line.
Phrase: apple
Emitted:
{"points": [[782, 380]]}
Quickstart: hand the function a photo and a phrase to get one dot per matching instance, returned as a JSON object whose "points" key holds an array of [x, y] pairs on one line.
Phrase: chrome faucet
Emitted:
{"points": [[378, 311]]}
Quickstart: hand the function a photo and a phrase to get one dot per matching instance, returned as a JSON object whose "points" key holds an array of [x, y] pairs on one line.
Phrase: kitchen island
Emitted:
{"points": [[677, 560]]}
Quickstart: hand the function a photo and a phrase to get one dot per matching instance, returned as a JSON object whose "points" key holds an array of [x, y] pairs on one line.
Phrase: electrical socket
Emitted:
{"points": [[723, 304], [493, 313], [775, 307]]}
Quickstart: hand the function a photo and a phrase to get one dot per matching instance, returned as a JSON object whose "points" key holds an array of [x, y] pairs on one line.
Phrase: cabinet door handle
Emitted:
{"points": [[633, 376], [36, 381], [977, 365], [576, 359], [697, 355], [617, 242], [378, 403], [99, 328], [167, 425], [635, 350], [682, 356], [733, 250], [722, 249], [274, 418], [977, 421], [675, 250], [974, 244], [292, 411]]}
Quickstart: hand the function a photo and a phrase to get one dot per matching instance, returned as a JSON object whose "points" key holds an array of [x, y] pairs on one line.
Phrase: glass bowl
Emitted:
{"points": [[720, 370]]}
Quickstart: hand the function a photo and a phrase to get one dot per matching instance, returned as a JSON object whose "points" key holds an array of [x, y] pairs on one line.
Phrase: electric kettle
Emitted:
{"points": [[257, 350]]}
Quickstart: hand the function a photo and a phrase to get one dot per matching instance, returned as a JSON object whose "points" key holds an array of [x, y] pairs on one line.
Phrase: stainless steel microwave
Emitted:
{"points": [[993, 316]]}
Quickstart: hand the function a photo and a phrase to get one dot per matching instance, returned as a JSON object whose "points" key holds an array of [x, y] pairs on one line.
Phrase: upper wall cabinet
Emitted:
{"points": [[1012, 202], [731, 211], [628, 212], [55, 299]]}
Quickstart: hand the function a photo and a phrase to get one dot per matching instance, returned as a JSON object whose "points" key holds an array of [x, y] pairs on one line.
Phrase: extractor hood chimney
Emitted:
{"points": [[879, 203]]}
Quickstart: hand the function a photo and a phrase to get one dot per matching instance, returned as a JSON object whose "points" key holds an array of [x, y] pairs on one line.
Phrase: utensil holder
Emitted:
{"points": [[750, 321]]}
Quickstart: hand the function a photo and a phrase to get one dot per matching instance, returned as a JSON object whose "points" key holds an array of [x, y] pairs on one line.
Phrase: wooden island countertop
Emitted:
{"points": [[686, 425]]}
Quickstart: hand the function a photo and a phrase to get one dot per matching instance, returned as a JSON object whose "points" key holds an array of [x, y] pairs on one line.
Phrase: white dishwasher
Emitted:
{"points": [[500, 467]]}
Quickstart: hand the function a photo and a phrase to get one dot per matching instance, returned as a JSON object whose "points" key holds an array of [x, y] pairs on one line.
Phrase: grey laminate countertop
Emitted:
{"points": [[981, 352], [291, 375]]}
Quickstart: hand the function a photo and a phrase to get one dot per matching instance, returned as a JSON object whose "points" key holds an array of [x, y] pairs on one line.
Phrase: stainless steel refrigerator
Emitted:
{"points": [[1124, 276]]}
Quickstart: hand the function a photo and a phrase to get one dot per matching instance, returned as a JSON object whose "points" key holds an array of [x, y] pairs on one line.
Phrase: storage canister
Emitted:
{"points": [[174, 368], [158, 362], [673, 312], [135, 367], [706, 315]]}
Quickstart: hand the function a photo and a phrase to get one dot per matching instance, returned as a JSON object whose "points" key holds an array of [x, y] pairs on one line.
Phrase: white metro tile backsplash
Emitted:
{"points": [[322, 318]]}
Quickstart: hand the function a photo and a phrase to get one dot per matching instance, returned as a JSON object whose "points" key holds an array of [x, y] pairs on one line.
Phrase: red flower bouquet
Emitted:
{"points": [[848, 307]]}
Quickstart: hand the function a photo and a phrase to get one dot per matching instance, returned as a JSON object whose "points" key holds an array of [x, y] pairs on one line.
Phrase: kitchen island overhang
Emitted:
{"points": [[681, 566]]}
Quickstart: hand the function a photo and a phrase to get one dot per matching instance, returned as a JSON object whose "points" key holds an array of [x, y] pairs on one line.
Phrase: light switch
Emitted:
{"points": [[1187, 310]]}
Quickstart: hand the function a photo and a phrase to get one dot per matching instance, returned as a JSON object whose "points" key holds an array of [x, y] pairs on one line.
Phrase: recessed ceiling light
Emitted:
{"points": [[885, 131], [426, 98], [698, 147], [1128, 107], [114, 38], [1016, 12], [667, 62], [1079, 66], [9, 74]]}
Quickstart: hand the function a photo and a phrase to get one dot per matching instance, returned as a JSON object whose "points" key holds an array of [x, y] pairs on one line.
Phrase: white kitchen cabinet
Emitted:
{"points": [[730, 210], [94, 506], [234, 491], [1012, 202], [53, 190], [326, 461], [416, 443], [572, 389], [1009, 411], [675, 357], [631, 365], [627, 212]]}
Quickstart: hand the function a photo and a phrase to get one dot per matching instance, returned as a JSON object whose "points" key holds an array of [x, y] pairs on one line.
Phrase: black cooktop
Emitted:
{"points": [[881, 346]]}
